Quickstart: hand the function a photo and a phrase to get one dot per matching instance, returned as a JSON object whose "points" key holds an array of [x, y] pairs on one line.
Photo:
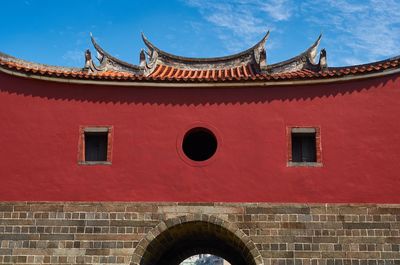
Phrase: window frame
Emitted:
{"points": [[81, 144], [318, 152]]}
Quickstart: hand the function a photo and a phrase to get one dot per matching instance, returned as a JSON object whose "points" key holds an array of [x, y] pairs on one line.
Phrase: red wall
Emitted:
{"points": [[360, 136]]}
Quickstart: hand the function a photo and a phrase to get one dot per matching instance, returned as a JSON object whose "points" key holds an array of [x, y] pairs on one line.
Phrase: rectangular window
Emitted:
{"points": [[95, 144], [304, 146]]}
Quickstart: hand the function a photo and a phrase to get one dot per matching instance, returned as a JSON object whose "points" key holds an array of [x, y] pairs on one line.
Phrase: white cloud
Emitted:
{"points": [[236, 16], [278, 9], [370, 31], [74, 57], [355, 31], [237, 22]]}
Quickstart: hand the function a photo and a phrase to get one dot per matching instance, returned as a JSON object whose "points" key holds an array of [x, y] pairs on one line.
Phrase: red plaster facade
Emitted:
{"points": [[358, 121]]}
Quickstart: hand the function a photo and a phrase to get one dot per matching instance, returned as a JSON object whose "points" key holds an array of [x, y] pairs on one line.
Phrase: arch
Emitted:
{"points": [[176, 239]]}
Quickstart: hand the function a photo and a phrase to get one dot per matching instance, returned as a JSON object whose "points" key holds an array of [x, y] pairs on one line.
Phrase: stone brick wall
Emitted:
{"points": [[283, 234]]}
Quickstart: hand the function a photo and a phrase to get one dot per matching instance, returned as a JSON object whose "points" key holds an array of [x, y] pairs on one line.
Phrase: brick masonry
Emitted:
{"points": [[276, 234]]}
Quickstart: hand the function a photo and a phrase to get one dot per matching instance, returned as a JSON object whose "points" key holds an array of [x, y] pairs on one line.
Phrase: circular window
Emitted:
{"points": [[199, 144]]}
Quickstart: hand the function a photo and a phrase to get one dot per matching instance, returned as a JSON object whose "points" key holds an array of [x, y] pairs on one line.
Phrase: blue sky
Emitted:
{"points": [[57, 32]]}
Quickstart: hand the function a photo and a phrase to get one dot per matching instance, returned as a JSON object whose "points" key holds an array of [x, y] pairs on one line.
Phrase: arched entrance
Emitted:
{"points": [[174, 240]]}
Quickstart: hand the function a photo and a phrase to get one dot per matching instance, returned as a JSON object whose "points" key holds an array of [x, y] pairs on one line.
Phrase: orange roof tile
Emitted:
{"points": [[162, 73]]}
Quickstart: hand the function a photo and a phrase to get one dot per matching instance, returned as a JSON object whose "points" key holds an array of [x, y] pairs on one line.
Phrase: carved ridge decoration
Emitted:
{"points": [[109, 62], [157, 65], [305, 60], [255, 57]]}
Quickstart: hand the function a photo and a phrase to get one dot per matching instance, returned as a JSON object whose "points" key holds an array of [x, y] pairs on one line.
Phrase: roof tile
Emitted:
{"points": [[173, 74]]}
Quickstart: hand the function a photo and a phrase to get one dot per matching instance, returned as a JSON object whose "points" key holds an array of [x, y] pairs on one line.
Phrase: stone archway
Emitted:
{"points": [[174, 240]]}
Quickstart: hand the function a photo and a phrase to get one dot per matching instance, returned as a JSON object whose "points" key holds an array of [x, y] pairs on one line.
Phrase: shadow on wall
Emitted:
{"points": [[182, 96]]}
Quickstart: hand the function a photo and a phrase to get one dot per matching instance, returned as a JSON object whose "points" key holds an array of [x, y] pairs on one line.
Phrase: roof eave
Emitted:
{"points": [[195, 84]]}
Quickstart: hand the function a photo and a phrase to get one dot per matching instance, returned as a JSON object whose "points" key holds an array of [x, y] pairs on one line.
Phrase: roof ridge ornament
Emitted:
{"points": [[255, 56], [305, 60], [312, 51], [142, 58], [260, 44], [260, 53], [323, 61], [110, 63]]}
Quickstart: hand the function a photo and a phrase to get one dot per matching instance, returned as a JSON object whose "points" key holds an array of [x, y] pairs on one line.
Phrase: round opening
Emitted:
{"points": [[199, 144]]}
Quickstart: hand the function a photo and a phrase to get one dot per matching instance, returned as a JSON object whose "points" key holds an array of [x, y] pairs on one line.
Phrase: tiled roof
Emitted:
{"points": [[158, 66], [169, 72], [162, 73]]}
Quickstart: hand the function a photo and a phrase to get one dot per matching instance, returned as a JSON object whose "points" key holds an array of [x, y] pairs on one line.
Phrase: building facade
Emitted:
{"points": [[287, 163]]}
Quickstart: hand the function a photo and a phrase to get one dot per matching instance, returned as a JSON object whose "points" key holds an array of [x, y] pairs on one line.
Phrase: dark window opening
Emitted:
{"points": [[199, 144], [304, 147], [96, 146]]}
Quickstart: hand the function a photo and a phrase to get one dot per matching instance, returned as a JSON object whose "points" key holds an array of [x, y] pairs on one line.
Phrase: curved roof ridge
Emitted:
{"points": [[151, 46], [308, 54], [103, 53]]}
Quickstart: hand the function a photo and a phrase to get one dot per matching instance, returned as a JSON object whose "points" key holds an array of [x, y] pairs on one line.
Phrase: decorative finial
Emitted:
{"points": [[263, 57], [323, 63], [88, 59], [142, 58]]}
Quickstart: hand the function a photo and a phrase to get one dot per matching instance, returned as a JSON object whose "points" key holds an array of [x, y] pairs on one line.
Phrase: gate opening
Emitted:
{"points": [[174, 245]]}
